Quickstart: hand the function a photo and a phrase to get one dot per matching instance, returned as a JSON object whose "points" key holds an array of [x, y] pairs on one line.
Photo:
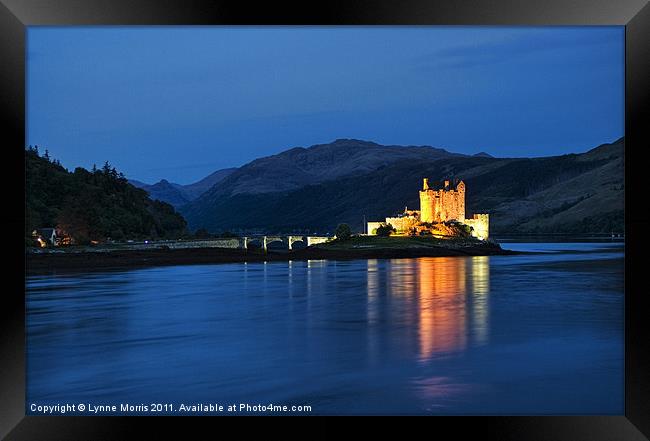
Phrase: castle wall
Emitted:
{"points": [[372, 226], [402, 224], [480, 224], [445, 201], [442, 205]]}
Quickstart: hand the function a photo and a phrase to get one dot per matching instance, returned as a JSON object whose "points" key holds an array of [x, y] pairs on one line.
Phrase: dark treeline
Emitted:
{"points": [[93, 205]]}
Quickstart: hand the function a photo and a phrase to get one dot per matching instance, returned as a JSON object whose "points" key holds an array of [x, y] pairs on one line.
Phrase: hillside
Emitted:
{"points": [[92, 205], [317, 188], [299, 166]]}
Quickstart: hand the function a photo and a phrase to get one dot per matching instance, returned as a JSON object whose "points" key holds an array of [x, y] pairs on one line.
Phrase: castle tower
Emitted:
{"points": [[428, 203], [443, 204], [461, 201]]}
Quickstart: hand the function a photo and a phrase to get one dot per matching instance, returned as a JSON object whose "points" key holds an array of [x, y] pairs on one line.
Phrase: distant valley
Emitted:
{"points": [[177, 194]]}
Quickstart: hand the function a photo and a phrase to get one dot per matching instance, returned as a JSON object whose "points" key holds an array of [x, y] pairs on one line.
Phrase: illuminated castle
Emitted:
{"points": [[445, 203], [441, 203]]}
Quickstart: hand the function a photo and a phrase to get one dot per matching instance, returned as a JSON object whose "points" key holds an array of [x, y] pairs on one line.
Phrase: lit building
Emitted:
{"points": [[439, 203], [443, 202]]}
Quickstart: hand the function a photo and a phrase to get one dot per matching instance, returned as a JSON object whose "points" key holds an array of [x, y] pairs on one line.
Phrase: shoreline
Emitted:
{"points": [[52, 263]]}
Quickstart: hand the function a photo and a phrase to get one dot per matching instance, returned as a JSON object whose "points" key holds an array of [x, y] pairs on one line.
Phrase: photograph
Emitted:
{"points": [[325, 220]]}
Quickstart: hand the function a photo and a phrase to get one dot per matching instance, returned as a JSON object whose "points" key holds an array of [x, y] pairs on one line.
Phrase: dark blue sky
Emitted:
{"points": [[181, 102]]}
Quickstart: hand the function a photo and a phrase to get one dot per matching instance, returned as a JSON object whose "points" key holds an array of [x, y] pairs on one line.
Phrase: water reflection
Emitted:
{"points": [[480, 290], [373, 292], [442, 289], [446, 299], [500, 334]]}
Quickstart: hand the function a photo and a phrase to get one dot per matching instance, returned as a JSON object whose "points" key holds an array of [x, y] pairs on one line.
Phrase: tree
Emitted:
{"points": [[385, 230], [93, 206], [343, 232]]}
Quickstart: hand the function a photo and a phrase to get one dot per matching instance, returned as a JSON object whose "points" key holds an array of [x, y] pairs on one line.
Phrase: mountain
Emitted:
{"points": [[483, 155], [299, 166], [164, 190], [177, 194], [584, 195], [318, 187], [193, 191], [92, 205]]}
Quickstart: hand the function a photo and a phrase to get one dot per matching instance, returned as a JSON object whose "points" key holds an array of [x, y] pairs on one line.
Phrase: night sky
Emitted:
{"points": [[181, 102]]}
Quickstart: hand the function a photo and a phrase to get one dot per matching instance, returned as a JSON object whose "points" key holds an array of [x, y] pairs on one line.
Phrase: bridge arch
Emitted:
{"points": [[294, 239], [255, 241], [264, 241], [271, 239]]}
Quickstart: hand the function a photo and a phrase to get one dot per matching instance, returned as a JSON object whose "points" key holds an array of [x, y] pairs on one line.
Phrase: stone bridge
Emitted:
{"points": [[264, 241], [231, 242]]}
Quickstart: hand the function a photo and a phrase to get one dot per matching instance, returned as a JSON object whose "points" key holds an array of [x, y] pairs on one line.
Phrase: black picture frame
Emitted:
{"points": [[16, 15]]}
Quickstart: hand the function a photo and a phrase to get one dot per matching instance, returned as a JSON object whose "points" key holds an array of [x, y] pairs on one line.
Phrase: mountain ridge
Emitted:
{"points": [[295, 194], [300, 166], [179, 194]]}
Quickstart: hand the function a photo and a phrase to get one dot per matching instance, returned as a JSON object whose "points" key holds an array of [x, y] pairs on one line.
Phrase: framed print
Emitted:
{"points": [[426, 209]]}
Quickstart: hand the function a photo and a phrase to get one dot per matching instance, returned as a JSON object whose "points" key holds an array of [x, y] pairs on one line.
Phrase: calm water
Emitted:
{"points": [[530, 334]]}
